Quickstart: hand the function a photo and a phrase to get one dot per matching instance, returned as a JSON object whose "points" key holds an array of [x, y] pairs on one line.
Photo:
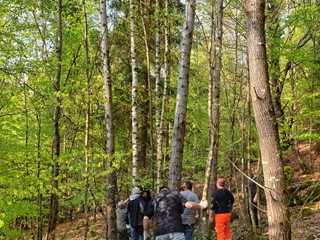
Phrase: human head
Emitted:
{"points": [[146, 193], [254, 172], [221, 182], [188, 185], [164, 188], [135, 193], [136, 190], [121, 205]]}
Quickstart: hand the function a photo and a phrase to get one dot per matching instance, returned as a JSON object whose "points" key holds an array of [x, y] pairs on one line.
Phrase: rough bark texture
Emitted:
{"points": [[275, 190], [107, 86], [182, 99]]}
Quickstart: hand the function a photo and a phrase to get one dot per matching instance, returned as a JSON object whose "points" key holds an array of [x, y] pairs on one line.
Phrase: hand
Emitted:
{"points": [[211, 216], [203, 204], [255, 199], [146, 235]]}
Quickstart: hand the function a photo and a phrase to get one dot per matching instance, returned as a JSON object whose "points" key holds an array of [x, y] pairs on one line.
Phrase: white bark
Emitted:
{"points": [[134, 95], [159, 118]]}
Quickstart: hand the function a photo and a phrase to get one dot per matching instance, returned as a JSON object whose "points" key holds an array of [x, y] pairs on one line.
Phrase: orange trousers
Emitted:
{"points": [[222, 222]]}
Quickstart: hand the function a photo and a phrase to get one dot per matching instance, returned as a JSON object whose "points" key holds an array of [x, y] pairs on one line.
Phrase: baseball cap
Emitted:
{"points": [[221, 182]]}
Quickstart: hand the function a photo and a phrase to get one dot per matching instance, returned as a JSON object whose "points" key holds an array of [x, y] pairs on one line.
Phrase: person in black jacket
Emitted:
{"points": [[167, 207], [146, 194], [136, 209], [253, 201], [220, 207]]}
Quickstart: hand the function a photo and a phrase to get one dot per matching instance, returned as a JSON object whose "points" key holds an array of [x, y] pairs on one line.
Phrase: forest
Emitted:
{"points": [[97, 97]]}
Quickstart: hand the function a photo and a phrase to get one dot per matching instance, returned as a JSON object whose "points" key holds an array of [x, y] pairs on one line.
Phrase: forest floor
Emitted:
{"points": [[304, 192], [305, 216]]}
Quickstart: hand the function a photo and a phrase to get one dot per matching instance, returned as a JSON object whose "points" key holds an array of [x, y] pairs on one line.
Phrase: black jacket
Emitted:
{"points": [[221, 201], [136, 210]]}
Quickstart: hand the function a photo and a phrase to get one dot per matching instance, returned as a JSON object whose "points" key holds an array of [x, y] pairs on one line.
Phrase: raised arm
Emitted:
{"points": [[193, 205]]}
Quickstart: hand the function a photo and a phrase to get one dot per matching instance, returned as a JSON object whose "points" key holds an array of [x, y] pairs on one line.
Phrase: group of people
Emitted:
{"points": [[174, 213], [130, 214]]}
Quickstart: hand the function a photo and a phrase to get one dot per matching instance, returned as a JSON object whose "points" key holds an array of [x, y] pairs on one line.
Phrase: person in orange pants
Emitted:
{"points": [[220, 208]]}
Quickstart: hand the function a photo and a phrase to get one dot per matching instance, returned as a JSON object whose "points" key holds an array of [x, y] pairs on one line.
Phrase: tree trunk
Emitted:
{"points": [[275, 32], [245, 182], [214, 96], [39, 194], [134, 90], [159, 116], [161, 133], [275, 37], [87, 126], [295, 126], [216, 92], [111, 189], [54, 207], [275, 189], [205, 192], [312, 90], [148, 106], [182, 99]]}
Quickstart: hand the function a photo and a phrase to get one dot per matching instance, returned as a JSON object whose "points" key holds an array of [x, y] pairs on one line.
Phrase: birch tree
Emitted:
{"points": [[275, 190], [134, 90], [166, 79], [182, 98], [159, 116]]}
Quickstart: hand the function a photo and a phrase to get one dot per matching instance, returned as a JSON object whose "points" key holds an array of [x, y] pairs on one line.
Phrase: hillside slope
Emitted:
{"points": [[305, 214]]}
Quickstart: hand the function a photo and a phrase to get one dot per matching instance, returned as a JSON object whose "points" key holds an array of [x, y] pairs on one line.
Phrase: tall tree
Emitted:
{"points": [[134, 91], [53, 213], [214, 69], [166, 79], [209, 45], [87, 121], [107, 86], [144, 125], [39, 194], [275, 189], [182, 98], [215, 92], [159, 116]]}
